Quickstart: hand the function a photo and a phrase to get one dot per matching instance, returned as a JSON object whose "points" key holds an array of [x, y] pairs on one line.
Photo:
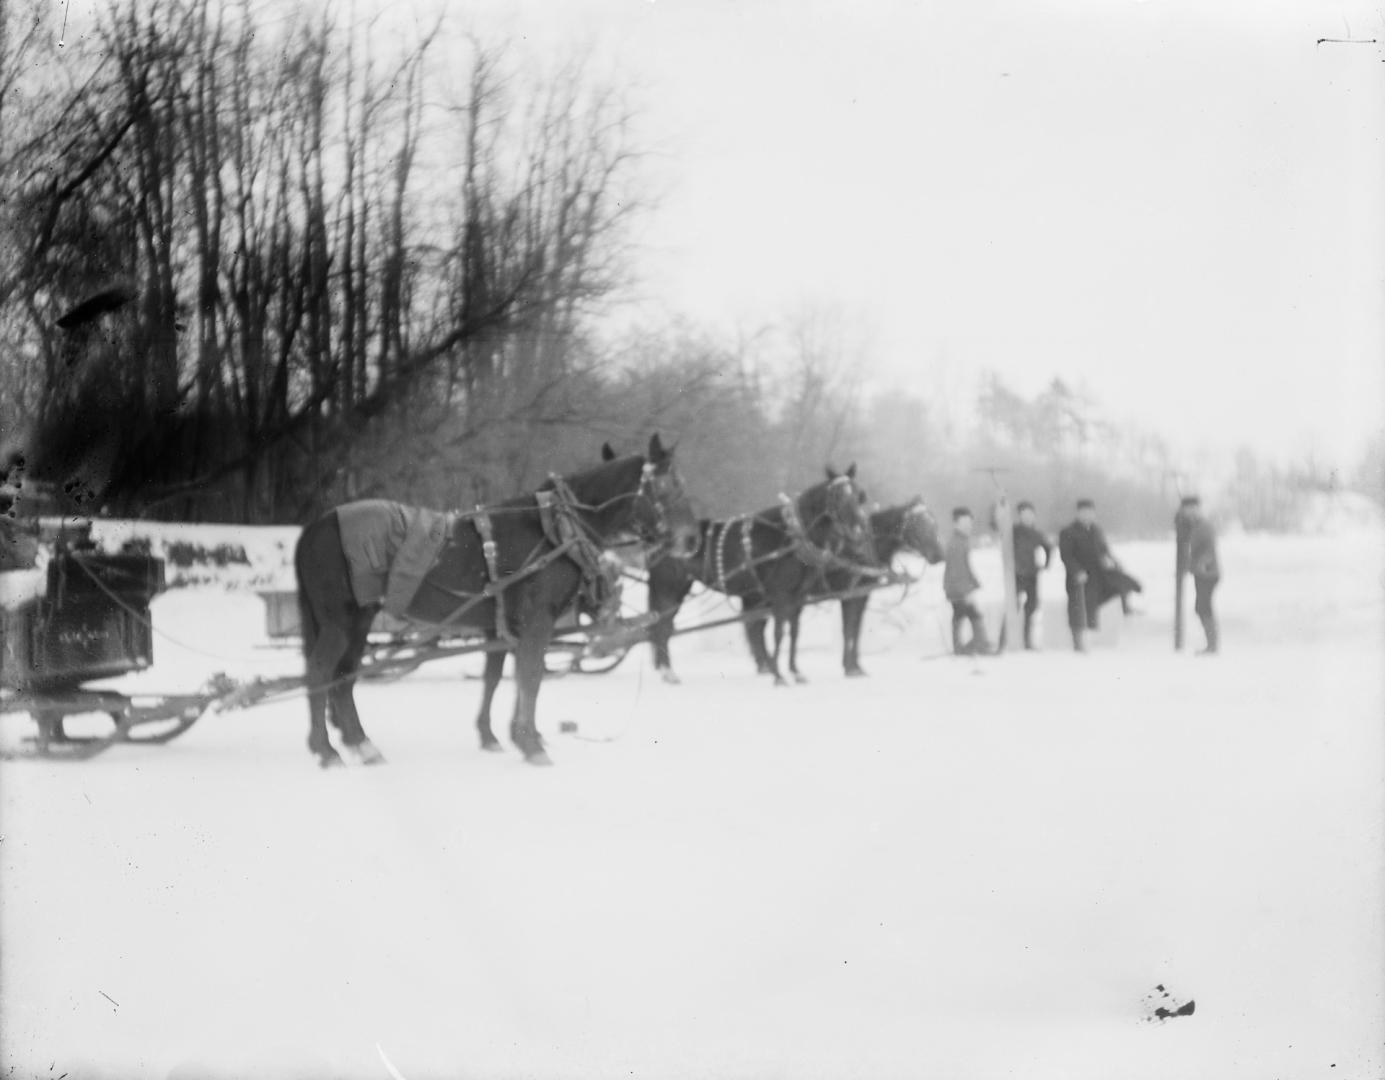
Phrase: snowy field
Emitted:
{"points": [[953, 869]]}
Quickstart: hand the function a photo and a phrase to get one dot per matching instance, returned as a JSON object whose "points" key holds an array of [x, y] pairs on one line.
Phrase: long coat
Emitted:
{"points": [[1202, 550], [1083, 547], [958, 579], [1028, 542]]}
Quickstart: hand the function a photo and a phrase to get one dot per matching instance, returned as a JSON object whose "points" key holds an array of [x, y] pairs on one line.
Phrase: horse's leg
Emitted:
{"points": [[326, 652], [755, 638], [343, 693], [495, 667], [862, 602], [780, 622], [659, 635], [755, 632], [538, 629], [853, 615], [666, 595], [794, 617], [846, 637], [327, 611]]}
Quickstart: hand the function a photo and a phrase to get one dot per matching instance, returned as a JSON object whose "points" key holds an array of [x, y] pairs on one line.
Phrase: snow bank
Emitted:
{"points": [[237, 557], [954, 868]]}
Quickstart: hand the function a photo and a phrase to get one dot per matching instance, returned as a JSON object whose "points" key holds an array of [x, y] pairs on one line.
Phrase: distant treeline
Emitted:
{"points": [[253, 266]]}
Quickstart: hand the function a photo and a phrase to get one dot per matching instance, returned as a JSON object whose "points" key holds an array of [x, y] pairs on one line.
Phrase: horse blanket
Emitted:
{"points": [[389, 548]]}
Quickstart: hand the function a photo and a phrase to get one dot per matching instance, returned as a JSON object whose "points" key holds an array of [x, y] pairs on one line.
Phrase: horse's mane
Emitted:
{"points": [[889, 516], [578, 481], [614, 472], [815, 494]]}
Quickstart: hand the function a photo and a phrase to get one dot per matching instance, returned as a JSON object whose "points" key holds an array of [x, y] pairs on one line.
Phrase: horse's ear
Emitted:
{"points": [[831, 473], [607, 454], [657, 454], [851, 472]]}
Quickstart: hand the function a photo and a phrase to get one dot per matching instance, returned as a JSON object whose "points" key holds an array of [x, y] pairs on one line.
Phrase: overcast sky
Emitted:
{"points": [[1178, 203]]}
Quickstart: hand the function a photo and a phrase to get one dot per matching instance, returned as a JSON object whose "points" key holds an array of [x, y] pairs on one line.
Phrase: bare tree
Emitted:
{"points": [[298, 320]]}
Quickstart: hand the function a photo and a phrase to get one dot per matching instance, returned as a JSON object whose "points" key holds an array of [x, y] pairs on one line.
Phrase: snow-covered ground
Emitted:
{"points": [[954, 868]]}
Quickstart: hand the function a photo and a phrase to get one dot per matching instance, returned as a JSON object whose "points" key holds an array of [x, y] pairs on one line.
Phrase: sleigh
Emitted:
{"points": [[82, 618], [85, 618]]}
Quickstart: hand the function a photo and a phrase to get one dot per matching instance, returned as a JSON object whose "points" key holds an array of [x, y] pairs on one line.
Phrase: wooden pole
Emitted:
{"points": [[1010, 621], [1180, 565]]}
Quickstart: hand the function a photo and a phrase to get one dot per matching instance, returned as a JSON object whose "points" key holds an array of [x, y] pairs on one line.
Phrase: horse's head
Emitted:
{"points": [[919, 531], [657, 509], [834, 514]]}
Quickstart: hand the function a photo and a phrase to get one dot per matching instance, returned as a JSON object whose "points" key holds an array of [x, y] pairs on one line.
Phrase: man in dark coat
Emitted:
{"points": [[959, 583], [1029, 541], [1204, 566], [1087, 560]]}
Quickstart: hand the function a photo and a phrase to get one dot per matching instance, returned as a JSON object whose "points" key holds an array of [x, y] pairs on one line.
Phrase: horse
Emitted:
{"points": [[770, 560], [906, 527], [508, 571]]}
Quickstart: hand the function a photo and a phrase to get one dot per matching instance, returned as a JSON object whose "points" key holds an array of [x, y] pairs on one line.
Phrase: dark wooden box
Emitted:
{"points": [[88, 576], [91, 623], [45, 645]]}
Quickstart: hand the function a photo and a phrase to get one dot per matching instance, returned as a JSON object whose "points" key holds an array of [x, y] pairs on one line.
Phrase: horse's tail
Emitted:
{"points": [[309, 627]]}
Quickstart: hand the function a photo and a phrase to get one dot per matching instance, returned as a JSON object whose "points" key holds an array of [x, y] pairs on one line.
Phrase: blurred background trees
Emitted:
{"points": [[255, 262], [317, 259]]}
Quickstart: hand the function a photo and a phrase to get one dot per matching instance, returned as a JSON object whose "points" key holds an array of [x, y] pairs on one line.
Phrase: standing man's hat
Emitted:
{"points": [[1190, 501], [1085, 504], [1024, 505], [960, 512]]}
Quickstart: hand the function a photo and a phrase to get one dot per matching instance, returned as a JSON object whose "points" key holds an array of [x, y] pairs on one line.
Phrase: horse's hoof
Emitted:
{"points": [[330, 760], [855, 673], [799, 678], [538, 757], [779, 680], [368, 755], [669, 677], [492, 745]]}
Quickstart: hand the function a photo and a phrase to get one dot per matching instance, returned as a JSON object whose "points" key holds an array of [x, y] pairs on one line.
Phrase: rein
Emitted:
{"points": [[824, 558], [798, 543], [567, 536]]}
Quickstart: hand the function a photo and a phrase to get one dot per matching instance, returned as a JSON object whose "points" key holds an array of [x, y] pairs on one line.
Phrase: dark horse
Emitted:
{"points": [[771, 561], [507, 571], [907, 527]]}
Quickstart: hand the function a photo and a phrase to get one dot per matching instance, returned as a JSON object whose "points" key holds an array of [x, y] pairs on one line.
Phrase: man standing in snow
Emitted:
{"points": [[958, 585], [1029, 541], [1206, 570], [1087, 558]]}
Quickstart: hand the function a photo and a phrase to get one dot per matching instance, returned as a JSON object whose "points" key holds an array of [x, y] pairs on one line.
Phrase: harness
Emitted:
{"points": [[567, 538], [807, 551], [562, 529], [799, 544], [744, 523]]}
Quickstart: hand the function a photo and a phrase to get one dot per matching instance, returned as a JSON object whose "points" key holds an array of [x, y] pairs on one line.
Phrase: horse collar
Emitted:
{"points": [[557, 514], [791, 518]]}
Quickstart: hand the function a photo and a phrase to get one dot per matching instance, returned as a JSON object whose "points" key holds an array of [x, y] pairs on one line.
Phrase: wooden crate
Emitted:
{"points": [[282, 620], [92, 622]]}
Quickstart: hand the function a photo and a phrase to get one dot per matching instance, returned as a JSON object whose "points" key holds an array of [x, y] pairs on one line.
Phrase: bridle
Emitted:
{"points": [[842, 490], [657, 489], [649, 505]]}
